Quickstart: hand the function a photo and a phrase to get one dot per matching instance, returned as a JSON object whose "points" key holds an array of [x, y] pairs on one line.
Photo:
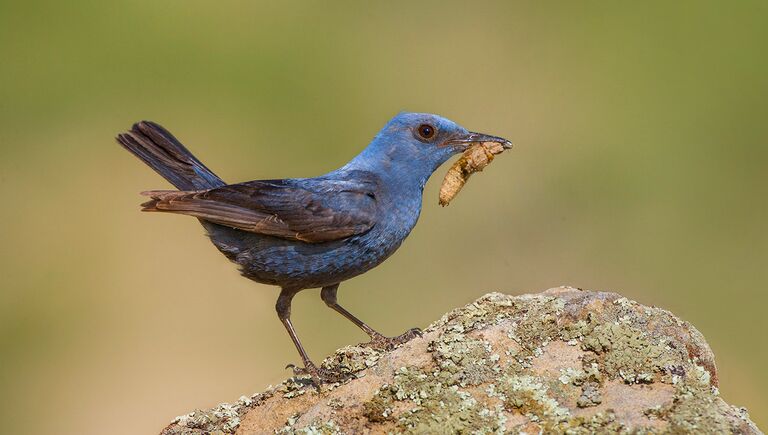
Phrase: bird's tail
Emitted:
{"points": [[156, 147]]}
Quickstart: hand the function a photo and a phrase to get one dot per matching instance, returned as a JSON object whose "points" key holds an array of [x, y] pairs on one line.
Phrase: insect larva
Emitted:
{"points": [[474, 159]]}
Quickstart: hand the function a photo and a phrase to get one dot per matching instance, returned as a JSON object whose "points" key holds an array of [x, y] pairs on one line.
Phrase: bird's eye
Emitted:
{"points": [[426, 131]]}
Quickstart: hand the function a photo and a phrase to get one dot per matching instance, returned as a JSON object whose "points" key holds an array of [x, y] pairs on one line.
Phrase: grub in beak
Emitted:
{"points": [[474, 159]]}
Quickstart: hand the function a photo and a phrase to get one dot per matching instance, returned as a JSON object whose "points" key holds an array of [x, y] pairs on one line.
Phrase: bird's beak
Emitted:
{"points": [[465, 141]]}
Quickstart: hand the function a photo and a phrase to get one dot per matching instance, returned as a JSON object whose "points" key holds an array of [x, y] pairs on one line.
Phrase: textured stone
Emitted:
{"points": [[561, 361]]}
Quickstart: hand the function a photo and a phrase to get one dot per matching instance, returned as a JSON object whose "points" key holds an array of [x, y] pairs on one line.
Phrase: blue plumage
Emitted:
{"points": [[310, 232]]}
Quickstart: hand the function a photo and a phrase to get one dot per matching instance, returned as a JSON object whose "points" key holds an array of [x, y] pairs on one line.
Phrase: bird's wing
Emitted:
{"points": [[310, 210]]}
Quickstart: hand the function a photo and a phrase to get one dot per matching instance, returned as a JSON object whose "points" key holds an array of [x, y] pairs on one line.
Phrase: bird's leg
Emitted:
{"points": [[379, 341], [319, 375]]}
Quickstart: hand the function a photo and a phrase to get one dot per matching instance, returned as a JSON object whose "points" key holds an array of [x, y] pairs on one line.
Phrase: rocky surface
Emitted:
{"points": [[561, 361]]}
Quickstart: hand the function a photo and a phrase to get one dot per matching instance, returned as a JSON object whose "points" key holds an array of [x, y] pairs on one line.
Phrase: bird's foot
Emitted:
{"points": [[319, 375], [380, 342]]}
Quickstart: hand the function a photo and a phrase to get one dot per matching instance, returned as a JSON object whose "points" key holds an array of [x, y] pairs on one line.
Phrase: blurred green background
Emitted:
{"points": [[640, 167]]}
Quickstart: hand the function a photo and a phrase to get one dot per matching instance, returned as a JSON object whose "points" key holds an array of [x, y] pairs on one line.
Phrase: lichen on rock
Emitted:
{"points": [[562, 361], [223, 419]]}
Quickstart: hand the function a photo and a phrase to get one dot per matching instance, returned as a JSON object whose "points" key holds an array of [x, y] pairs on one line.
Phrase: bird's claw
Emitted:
{"points": [[321, 376], [380, 342], [416, 331]]}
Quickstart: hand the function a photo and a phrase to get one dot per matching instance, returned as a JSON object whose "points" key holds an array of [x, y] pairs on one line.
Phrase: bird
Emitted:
{"points": [[305, 233]]}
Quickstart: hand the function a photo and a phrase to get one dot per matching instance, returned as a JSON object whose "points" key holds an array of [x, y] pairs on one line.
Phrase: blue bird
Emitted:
{"points": [[302, 233]]}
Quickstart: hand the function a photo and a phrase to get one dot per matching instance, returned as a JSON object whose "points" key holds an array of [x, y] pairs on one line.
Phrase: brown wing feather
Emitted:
{"points": [[329, 211]]}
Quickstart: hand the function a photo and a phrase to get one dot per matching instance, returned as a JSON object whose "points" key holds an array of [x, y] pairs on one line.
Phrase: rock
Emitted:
{"points": [[562, 361]]}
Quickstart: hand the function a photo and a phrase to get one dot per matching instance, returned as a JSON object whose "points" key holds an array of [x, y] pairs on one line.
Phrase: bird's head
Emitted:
{"points": [[414, 145]]}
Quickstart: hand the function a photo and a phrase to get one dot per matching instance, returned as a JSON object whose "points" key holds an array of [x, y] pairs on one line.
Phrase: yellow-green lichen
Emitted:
{"points": [[529, 395], [696, 407], [352, 359], [535, 322], [223, 419], [627, 352], [489, 309], [325, 428], [600, 423], [590, 395], [432, 407], [463, 360]]}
